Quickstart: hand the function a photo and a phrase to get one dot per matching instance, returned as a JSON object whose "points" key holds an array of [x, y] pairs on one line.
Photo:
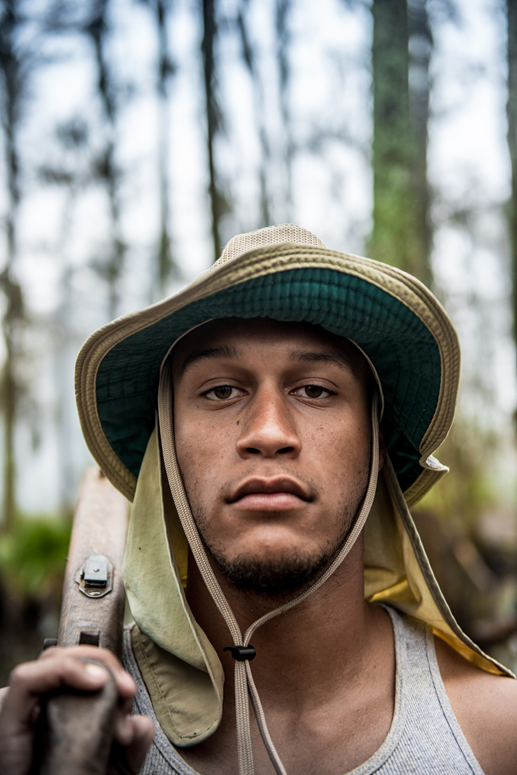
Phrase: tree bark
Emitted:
{"points": [[209, 36]]}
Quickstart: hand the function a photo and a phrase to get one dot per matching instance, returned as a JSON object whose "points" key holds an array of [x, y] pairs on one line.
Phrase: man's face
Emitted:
{"points": [[272, 431]]}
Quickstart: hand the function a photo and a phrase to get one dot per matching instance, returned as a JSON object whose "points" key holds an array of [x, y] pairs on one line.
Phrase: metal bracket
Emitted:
{"points": [[95, 576]]}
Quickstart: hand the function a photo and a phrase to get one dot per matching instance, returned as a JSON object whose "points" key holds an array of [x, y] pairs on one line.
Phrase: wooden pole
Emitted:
{"points": [[79, 726]]}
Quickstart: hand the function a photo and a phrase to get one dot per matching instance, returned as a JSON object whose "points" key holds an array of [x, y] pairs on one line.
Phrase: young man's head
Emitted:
{"points": [[273, 440]]}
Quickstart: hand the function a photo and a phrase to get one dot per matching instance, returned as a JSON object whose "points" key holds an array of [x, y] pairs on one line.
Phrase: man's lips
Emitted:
{"points": [[274, 493]]}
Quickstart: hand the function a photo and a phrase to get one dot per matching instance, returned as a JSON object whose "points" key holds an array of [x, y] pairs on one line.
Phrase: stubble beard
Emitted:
{"points": [[286, 573]]}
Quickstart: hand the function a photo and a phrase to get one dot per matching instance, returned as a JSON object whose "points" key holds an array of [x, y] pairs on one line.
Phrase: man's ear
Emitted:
{"points": [[382, 449]]}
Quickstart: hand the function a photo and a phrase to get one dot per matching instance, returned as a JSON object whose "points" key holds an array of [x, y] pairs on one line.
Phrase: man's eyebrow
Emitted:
{"points": [[335, 357], [209, 352]]}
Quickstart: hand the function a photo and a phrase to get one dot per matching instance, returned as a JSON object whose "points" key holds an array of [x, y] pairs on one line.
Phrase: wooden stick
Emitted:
{"points": [[100, 527], [79, 726]]}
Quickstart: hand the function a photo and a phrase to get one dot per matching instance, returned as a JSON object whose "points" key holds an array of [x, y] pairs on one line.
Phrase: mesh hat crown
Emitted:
{"points": [[271, 235]]}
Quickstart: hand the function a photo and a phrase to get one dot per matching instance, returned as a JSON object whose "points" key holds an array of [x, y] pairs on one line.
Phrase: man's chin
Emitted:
{"points": [[272, 576]]}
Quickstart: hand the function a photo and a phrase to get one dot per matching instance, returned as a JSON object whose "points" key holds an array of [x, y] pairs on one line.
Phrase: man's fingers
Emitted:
{"points": [[63, 667], [125, 684], [132, 745], [32, 679], [143, 736], [84, 668]]}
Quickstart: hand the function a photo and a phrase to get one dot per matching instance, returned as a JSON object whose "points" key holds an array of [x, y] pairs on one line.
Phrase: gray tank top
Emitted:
{"points": [[424, 736]]}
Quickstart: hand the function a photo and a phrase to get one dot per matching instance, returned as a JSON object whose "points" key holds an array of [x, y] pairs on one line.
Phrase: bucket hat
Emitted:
{"points": [[287, 274]]}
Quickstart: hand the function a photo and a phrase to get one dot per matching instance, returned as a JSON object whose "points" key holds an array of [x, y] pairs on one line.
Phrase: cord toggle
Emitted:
{"points": [[242, 653]]}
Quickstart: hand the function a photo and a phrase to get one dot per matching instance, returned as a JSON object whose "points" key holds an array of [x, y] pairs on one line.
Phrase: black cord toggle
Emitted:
{"points": [[242, 653]]}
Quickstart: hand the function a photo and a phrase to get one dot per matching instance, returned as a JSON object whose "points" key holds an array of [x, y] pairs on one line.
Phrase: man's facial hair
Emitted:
{"points": [[287, 573]]}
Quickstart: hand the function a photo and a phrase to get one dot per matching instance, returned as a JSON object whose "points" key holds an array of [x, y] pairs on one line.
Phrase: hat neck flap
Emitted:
{"points": [[180, 667], [397, 571]]}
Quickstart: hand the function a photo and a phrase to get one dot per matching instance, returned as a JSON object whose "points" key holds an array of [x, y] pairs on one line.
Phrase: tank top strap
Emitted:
{"points": [[411, 639], [424, 705], [445, 703]]}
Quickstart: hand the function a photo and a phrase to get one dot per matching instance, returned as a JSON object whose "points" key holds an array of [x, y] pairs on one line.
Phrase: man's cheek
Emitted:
{"points": [[191, 447], [199, 472]]}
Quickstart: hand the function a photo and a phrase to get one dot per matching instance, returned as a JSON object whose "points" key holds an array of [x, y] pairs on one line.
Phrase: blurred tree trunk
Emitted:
{"points": [[165, 264], [420, 48], [250, 60], [14, 76], [165, 70], [108, 172], [283, 10], [212, 117], [400, 233], [511, 7]]}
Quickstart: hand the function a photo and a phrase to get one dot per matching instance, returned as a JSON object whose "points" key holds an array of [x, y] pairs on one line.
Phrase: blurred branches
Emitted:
{"points": [[249, 56], [97, 29], [165, 69]]}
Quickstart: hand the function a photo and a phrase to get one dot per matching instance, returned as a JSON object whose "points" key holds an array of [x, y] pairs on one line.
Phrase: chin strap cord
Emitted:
{"points": [[242, 651]]}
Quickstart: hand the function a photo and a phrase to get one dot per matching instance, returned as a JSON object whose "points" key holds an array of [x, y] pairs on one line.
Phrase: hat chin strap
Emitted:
{"points": [[242, 651]]}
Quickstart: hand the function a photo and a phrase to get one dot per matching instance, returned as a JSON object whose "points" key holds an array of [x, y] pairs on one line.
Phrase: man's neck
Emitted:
{"points": [[325, 672], [298, 652]]}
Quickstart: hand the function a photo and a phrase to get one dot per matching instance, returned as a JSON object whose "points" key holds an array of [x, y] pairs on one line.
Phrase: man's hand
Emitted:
{"points": [[58, 667]]}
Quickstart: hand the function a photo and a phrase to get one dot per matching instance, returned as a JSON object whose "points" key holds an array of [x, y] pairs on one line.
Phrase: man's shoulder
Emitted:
{"points": [[486, 708]]}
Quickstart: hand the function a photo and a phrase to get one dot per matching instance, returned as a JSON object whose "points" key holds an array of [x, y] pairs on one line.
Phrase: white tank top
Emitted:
{"points": [[424, 736]]}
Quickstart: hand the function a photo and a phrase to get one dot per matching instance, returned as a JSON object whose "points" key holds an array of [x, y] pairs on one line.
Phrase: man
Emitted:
{"points": [[242, 417]]}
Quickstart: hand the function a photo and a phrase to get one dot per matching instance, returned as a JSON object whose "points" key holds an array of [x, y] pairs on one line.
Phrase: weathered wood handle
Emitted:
{"points": [[92, 611], [79, 730], [77, 727]]}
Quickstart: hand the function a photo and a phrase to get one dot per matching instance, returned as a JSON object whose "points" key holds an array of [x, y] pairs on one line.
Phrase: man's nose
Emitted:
{"points": [[269, 427]]}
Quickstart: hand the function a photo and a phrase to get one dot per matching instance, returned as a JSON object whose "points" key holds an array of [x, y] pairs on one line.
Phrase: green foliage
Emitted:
{"points": [[33, 555]]}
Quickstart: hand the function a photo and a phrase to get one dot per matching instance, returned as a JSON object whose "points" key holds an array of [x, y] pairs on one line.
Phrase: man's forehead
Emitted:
{"points": [[234, 338]]}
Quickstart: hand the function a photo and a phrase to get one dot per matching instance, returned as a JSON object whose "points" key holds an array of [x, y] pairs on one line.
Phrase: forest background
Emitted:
{"points": [[137, 136]]}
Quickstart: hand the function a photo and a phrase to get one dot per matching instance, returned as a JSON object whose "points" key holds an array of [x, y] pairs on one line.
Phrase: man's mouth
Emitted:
{"points": [[275, 494]]}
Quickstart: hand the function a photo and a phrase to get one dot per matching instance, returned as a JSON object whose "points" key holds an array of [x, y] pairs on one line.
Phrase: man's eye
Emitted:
{"points": [[312, 391], [223, 393]]}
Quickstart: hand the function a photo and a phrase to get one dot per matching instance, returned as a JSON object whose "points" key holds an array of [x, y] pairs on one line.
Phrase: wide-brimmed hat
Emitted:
{"points": [[286, 273]]}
